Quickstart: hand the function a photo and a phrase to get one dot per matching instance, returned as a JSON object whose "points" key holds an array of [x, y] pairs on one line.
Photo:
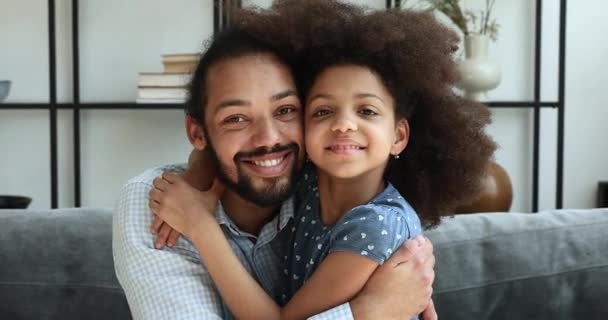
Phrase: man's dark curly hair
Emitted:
{"points": [[448, 151], [229, 43]]}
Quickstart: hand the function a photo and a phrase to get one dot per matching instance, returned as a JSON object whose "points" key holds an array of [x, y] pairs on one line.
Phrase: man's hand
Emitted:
{"points": [[401, 288], [180, 205]]}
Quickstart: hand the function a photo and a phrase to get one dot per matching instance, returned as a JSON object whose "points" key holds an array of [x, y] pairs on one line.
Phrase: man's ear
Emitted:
{"points": [[402, 136], [195, 133]]}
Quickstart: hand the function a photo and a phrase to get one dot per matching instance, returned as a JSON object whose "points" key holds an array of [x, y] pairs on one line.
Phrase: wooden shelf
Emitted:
{"points": [[170, 106]]}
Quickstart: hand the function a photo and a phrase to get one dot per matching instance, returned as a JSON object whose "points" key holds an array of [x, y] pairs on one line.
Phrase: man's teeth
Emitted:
{"points": [[268, 163]]}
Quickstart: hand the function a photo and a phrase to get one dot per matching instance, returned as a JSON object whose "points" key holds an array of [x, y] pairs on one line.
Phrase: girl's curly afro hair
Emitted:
{"points": [[448, 151]]}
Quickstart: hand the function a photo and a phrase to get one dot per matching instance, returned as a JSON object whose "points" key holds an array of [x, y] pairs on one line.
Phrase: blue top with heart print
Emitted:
{"points": [[374, 230]]}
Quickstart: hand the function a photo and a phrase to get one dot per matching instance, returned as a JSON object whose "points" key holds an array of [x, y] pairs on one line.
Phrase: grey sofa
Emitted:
{"points": [[551, 265]]}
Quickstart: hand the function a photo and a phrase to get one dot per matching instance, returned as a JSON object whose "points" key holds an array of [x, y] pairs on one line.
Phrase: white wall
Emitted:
{"points": [[118, 39]]}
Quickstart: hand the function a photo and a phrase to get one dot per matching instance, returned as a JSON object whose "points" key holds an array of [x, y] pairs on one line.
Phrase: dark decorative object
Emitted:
{"points": [[602, 194], [496, 194], [14, 202]]}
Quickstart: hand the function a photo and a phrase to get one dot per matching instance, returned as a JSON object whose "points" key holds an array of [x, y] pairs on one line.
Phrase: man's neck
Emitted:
{"points": [[246, 215]]}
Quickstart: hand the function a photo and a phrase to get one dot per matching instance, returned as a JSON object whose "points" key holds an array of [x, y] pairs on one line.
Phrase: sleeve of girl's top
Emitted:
{"points": [[373, 231]]}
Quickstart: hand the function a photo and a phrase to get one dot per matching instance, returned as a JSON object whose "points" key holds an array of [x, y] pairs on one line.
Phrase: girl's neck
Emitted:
{"points": [[337, 195]]}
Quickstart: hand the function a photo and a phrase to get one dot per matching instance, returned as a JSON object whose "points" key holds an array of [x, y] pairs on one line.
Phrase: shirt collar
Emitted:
{"points": [[279, 222]]}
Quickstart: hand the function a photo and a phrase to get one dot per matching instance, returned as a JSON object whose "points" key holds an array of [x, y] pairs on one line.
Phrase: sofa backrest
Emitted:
{"points": [[548, 265], [57, 264]]}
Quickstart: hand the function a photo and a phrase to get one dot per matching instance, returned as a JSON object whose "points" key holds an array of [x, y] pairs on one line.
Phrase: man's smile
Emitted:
{"points": [[271, 164]]}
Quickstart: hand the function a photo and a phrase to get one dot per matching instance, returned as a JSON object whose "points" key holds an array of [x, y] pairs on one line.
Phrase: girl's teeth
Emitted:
{"points": [[267, 163], [346, 147]]}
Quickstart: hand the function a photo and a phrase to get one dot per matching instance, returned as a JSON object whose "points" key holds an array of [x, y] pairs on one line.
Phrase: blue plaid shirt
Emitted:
{"points": [[173, 283]]}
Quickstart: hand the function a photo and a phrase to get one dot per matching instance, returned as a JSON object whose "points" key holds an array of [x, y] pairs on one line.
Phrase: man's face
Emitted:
{"points": [[254, 127]]}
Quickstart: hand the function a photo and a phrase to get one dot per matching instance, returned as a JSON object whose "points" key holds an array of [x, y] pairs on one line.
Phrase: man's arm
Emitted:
{"points": [[401, 288], [159, 284]]}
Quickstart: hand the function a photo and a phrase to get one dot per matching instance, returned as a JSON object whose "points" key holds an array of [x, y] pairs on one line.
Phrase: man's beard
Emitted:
{"points": [[273, 193]]}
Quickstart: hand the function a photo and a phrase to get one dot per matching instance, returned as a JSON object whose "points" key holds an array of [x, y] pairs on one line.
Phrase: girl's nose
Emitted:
{"points": [[343, 124]]}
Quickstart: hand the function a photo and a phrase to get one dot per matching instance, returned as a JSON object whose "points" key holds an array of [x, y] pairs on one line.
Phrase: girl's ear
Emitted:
{"points": [[195, 133], [402, 136]]}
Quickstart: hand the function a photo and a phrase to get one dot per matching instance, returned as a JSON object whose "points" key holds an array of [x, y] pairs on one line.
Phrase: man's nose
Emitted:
{"points": [[266, 133], [343, 123]]}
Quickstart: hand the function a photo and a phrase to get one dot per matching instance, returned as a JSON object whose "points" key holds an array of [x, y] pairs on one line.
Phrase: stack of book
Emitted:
{"points": [[171, 85]]}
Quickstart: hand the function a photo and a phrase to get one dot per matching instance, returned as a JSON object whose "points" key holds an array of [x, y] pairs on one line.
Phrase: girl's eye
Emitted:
{"points": [[368, 112], [321, 113]]}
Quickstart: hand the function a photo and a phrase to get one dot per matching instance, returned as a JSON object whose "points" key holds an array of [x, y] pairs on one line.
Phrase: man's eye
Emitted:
{"points": [[367, 112], [286, 110], [321, 113], [234, 119]]}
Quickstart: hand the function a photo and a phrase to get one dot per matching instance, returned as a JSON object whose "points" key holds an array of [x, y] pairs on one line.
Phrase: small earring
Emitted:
{"points": [[396, 156]]}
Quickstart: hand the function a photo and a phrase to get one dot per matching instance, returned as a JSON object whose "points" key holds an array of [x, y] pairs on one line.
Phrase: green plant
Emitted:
{"points": [[469, 21]]}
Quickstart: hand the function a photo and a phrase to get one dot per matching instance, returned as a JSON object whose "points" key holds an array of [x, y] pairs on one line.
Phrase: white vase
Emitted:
{"points": [[477, 74]]}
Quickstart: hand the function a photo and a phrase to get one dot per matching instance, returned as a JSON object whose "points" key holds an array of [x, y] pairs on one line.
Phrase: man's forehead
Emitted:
{"points": [[235, 81], [246, 62]]}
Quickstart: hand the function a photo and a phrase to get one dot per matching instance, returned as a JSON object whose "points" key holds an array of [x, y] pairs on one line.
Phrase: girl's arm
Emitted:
{"points": [[243, 295], [337, 280], [191, 212]]}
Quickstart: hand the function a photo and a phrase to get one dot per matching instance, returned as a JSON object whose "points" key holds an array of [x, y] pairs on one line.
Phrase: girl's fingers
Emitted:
{"points": [[155, 194], [160, 184], [173, 236], [161, 237], [170, 177], [156, 223], [154, 207]]}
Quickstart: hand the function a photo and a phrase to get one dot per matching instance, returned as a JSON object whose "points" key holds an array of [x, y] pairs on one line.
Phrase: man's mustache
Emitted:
{"points": [[261, 151]]}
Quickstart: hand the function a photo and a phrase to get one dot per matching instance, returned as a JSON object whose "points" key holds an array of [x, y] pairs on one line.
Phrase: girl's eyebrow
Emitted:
{"points": [[320, 96], [368, 95], [357, 95]]}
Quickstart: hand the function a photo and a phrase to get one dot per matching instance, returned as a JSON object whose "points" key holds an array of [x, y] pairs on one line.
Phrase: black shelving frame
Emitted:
{"points": [[221, 18]]}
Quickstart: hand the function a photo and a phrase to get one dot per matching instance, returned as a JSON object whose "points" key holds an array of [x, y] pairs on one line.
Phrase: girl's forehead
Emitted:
{"points": [[348, 80]]}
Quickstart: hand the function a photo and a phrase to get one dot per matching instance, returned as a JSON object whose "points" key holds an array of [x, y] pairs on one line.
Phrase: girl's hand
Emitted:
{"points": [[199, 174], [180, 205], [164, 233]]}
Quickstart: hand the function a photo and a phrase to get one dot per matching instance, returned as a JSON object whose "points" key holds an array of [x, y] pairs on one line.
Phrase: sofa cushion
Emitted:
{"points": [[57, 264], [548, 265]]}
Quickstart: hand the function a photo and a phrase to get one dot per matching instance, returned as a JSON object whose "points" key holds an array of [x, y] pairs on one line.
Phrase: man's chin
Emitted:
{"points": [[270, 191], [263, 192]]}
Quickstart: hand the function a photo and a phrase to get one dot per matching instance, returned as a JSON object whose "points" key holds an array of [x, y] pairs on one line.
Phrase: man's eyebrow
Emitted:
{"points": [[245, 103], [232, 103], [283, 94]]}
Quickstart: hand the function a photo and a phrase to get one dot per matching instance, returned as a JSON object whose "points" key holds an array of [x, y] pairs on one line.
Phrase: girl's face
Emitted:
{"points": [[350, 122]]}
